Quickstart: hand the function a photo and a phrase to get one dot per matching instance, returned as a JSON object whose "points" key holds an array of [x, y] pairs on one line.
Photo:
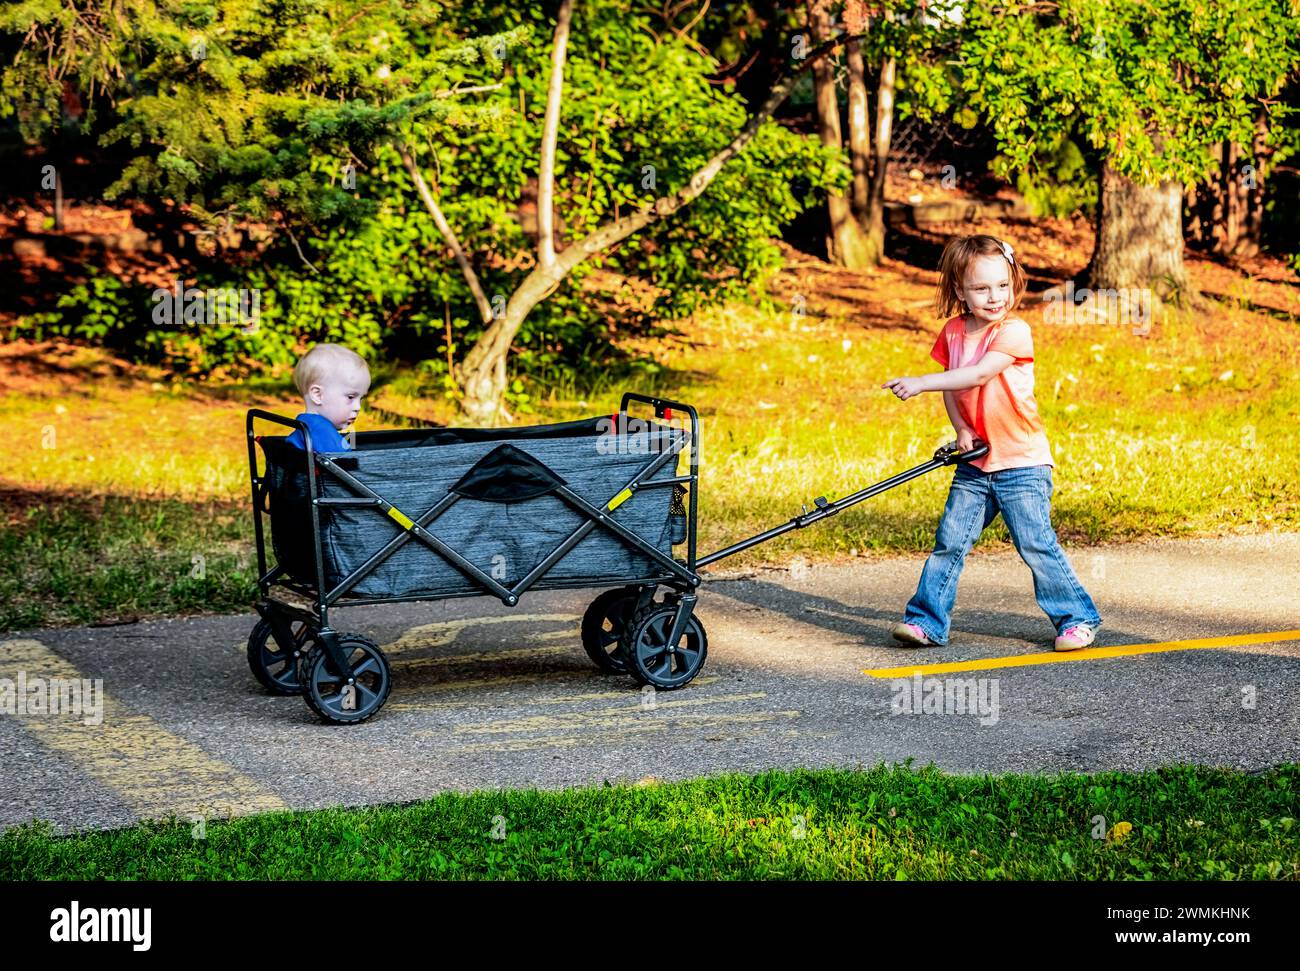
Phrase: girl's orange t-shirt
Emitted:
{"points": [[1003, 412]]}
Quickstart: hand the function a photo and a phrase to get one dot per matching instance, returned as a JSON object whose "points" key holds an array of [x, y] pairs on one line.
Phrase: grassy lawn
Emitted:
{"points": [[126, 496], [884, 823]]}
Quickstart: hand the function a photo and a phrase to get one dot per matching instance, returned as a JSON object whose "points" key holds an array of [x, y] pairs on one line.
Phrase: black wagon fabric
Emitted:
{"points": [[288, 500], [512, 524], [507, 474]]}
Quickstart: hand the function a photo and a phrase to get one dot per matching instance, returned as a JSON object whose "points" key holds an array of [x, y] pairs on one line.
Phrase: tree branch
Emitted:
{"points": [[475, 89], [448, 234], [288, 229], [543, 280]]}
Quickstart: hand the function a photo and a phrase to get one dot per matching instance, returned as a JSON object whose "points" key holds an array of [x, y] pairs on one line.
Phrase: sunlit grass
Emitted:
{"points": [[1190, 430]]}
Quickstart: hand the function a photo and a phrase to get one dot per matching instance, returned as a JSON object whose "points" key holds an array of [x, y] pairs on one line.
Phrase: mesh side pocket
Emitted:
{"points": [[677, 514]]}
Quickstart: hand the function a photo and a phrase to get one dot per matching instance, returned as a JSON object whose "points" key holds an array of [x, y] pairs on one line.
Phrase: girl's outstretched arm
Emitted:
{"points": [[990, 365]]}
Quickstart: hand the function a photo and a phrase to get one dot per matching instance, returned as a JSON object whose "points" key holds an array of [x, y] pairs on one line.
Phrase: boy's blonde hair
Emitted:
{"points": [[323, 361], [957, 257]]}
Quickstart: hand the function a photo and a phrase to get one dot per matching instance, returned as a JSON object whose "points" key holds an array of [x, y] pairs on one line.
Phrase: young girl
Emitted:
{"points": [[988, 391]]}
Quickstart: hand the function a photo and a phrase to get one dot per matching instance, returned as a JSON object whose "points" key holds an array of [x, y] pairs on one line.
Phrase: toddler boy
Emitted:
{"points": [[332, 380]]}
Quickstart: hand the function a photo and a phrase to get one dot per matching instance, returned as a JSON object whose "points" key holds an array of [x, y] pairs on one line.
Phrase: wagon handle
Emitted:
{"points": [[948, 454]]}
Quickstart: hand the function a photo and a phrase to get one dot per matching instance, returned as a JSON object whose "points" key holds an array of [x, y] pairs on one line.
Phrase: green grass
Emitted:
{"points": [[885, 823], [116, 559], [1188, 431]]}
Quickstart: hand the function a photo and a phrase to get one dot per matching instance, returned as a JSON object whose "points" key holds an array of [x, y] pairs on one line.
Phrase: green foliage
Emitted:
{"points": [[291, 101], [101, 304], [93, 46], [639, 118], [249, 129], [93, 560], [1059, 183], [101, 309], [922, 36], [264, 120], [1154, 86]]}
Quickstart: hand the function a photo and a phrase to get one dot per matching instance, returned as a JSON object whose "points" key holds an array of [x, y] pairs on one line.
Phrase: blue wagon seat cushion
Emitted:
{"points": [[506, 519]]}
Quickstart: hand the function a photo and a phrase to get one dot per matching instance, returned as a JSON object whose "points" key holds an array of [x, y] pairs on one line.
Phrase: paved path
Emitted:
{"points": [[489, 697]]}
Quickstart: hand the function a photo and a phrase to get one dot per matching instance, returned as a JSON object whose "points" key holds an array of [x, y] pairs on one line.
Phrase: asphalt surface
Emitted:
{"points": [[490, 697]]}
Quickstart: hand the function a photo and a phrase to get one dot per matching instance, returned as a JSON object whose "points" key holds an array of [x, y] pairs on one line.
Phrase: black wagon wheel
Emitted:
{"points": [[329, 693], [652, 660], [605, 625], [276, 669]]}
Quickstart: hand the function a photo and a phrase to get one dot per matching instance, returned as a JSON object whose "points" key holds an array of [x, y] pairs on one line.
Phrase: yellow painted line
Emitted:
{"points": [[411, 703], [156, 773], [445, 632], [442, 633], [451, 660], [471, 684], [623, 714], [571, 637], [624, 730], [1086, 654], [699, 682]]}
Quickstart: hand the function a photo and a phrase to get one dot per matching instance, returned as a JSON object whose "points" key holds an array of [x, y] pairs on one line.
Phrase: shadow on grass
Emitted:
{"points": [[70, 558], [1277, 313]]}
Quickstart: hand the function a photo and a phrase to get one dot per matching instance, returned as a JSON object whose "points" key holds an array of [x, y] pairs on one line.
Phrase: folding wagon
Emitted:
{"points": [[438, 513]]}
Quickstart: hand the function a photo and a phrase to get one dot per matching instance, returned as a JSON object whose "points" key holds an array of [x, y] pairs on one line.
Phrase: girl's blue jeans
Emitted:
{"points": [[1023, 497]]}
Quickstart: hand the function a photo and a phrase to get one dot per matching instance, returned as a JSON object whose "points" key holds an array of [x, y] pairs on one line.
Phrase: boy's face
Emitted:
{"points": [[338, 396], [986, 291]]}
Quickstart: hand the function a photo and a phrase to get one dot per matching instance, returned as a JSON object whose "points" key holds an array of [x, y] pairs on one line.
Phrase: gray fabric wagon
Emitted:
{"points": [[506, 519], [434, 513]]}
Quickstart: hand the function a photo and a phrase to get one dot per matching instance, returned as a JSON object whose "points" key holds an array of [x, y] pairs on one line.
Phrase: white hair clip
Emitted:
{"points": [[1007, 251]]}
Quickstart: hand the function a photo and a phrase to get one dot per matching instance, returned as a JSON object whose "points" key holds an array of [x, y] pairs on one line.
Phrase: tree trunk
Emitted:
{"points": [[1227, 210], [859, 130], [483, 372], [58, 197], [875, 225], [550, 126], [1232, 201], [1205, 206], [1139, 240], [444, 227], [1250, 185], [870, 165], [847, 243]]}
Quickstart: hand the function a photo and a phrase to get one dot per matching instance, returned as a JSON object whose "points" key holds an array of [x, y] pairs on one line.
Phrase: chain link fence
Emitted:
{"points": [[931, 145]]}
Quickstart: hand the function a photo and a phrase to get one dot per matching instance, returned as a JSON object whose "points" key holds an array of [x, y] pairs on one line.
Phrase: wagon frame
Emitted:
{"points": [[345, 678]]}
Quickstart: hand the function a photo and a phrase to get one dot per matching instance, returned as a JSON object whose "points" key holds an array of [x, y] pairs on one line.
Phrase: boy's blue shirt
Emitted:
{"points": [[324, 436]]}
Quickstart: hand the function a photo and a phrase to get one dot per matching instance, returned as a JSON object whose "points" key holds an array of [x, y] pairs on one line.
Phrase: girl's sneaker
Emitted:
{"points": [[911, 634], [1073, 638]]}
